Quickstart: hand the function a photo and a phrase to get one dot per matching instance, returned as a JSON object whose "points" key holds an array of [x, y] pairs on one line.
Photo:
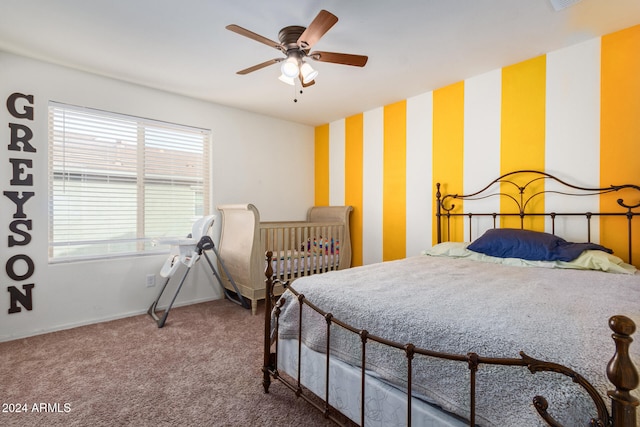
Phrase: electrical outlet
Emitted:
{"points": [[151, 280]]}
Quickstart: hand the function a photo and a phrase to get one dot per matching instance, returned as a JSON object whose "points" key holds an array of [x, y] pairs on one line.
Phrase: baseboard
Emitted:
{"points": [[99, 320]]}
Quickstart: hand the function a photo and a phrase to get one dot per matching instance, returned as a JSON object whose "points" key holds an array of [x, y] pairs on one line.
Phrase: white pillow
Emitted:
{"points": [[450, 249]]}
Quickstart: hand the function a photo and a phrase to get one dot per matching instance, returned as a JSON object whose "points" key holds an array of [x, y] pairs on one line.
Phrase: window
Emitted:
{"points": [[118, 182]]}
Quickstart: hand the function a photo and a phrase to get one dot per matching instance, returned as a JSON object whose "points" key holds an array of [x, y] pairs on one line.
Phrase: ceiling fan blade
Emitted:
{"points": [[318, 27], [307, 84], [259, 66], [257, 37], [340, 58], [312, 82]]}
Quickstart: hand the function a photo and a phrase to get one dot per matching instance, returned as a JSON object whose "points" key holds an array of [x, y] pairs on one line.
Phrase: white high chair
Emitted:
{"points": [[187, 252]]}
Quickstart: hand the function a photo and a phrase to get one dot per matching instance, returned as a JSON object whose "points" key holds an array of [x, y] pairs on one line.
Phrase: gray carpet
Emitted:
{"points": [[202, 369]]}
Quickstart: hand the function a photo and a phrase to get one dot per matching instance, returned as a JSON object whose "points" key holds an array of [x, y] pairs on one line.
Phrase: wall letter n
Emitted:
{"points": [[18, 297]]}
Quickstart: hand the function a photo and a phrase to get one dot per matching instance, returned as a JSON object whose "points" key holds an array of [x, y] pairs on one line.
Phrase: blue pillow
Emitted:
{"points": [[529, 245]]}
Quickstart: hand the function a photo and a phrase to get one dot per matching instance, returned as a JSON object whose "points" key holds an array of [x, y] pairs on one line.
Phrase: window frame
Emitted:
{"points": [[148, 151]]}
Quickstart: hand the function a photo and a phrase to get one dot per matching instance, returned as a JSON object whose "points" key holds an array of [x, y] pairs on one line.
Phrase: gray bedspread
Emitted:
{"points": [[460, 306]]}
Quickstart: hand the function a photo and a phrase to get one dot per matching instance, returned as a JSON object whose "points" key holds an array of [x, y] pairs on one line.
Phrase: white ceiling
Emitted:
{"points": [[414, 46]]}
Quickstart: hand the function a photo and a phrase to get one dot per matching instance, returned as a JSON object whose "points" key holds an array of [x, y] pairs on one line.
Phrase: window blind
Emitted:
{"points": [[117, 182]]}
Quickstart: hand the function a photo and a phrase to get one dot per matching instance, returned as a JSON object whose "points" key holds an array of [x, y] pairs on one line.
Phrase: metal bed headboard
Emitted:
{"points": [[523, 197]]}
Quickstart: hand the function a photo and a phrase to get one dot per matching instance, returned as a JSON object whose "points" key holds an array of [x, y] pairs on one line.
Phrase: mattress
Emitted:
{"points": [[386, 404], [460, 306]]}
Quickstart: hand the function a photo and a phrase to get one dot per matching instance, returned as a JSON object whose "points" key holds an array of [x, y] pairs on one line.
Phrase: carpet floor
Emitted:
{"points": [[203, 368]]}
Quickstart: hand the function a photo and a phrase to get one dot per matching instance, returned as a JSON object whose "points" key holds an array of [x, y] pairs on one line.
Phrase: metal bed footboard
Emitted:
{"points": [[620, 370]]}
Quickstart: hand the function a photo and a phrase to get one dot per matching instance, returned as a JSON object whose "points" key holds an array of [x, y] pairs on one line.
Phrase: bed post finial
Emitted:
{"points": [[622, 373]]}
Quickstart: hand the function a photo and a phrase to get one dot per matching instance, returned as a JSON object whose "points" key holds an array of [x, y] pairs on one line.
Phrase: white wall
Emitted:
{"points": [[243, 146]]}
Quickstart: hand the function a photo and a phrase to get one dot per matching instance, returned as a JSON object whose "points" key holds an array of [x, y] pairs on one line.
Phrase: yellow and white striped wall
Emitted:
{"points": [[574, 113]]}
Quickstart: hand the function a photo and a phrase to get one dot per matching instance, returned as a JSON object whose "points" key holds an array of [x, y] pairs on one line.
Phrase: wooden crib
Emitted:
{"points": [[301, 248]]}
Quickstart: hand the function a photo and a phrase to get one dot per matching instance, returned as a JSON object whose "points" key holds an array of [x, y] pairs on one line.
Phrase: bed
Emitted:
{"points": [[301, 248], [480, 331]]}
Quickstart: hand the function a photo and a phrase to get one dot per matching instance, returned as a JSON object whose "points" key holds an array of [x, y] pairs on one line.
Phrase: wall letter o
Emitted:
{"points": [[11, 271]]}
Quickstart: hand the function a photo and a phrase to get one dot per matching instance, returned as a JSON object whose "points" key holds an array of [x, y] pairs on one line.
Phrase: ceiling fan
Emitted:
{"points": [[296, 43]]}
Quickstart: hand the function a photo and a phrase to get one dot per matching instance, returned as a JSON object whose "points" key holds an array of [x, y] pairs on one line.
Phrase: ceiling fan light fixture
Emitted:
{"points": [[286, 79], [308, 73], [290, 68]]}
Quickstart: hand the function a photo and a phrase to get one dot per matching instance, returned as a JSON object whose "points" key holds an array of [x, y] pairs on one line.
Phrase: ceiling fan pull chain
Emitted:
{"points": [[295, 89]]}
